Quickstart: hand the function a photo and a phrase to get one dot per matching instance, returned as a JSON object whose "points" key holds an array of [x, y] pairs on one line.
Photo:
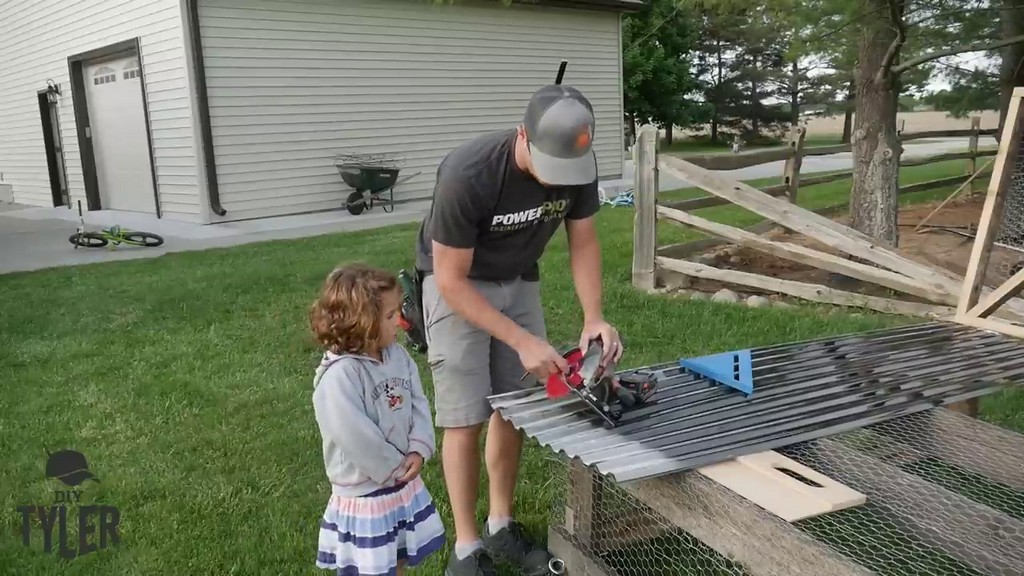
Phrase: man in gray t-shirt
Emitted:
{"points": [[498, 201]]}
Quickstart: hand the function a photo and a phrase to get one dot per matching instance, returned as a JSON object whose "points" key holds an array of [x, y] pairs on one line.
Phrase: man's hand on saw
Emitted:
{"points": [[611, 344], [541, 359]]}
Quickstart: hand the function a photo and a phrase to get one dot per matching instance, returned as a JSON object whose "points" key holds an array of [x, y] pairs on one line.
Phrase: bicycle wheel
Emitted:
{"points": [[147, 239], [88, 239]]}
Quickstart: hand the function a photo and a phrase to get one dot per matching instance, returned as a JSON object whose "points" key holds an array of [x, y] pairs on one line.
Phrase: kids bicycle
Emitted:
{"points": [[115, 235]]}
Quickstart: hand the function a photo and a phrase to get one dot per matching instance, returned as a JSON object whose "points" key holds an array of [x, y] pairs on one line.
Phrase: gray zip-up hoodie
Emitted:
{"points": [[371, 414]]}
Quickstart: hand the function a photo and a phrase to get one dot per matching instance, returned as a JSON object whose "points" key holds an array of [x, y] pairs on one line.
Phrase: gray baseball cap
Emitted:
{"points": [[559, 125]]}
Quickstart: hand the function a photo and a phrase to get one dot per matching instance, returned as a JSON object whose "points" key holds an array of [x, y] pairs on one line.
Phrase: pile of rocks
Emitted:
{"points": [[726, 256], [724, 295]]}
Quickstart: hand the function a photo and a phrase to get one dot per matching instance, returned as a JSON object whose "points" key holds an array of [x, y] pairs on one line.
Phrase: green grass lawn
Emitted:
{"points": [[186, 381]]}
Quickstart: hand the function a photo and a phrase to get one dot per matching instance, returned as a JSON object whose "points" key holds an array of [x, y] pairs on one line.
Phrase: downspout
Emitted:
{"points": [[204, 108]]}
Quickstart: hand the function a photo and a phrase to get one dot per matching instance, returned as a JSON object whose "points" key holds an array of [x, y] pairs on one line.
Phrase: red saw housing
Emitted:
{"points": [[558, 384]]}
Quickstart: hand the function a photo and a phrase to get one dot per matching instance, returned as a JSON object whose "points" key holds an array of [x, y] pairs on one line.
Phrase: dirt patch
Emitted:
{"points": [[946, 242]]}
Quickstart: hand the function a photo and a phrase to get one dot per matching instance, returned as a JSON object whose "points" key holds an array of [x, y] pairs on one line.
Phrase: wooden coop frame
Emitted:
{"points": [[747, 512], [742, 509], [972, 310]]}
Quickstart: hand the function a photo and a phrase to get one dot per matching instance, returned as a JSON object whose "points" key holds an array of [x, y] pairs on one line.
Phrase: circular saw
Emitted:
{"points": [[606, 392]]}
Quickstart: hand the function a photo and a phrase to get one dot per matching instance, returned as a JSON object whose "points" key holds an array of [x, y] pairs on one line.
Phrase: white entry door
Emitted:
{"points": [[120, 146]]}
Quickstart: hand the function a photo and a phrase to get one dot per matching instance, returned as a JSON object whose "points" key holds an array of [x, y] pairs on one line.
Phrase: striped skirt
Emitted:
{"points": [[368, 535]]}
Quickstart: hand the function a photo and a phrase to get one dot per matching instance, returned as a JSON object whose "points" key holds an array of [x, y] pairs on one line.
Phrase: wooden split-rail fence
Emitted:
{"points": [[649, 209]]}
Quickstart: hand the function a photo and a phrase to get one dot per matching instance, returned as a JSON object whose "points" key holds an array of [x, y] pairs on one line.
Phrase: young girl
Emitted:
{"points": [[376, 427]]}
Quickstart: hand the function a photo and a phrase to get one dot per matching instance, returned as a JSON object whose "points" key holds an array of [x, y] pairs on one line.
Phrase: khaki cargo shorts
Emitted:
{"points": [[467, 364]]}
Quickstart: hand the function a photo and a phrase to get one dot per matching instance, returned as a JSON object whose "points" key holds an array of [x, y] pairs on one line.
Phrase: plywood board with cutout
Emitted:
{"points": [[762, 478]]}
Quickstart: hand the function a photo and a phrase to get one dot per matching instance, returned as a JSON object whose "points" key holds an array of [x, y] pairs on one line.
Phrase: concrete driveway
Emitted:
{"points": [[33, 238]]}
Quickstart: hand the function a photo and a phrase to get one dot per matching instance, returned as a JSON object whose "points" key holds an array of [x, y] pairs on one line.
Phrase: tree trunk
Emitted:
{"points": [[794, 96], [1011, 71], [851, 93], [718, 93], [755, 99], [874, 200], [668, 134]]}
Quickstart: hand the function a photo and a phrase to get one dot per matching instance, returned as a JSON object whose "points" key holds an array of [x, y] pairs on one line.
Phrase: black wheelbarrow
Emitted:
{"points": [[371, 177]]}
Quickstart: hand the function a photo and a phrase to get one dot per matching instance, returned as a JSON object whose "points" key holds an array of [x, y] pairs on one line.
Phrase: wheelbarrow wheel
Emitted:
{"points": [[355, 204]]}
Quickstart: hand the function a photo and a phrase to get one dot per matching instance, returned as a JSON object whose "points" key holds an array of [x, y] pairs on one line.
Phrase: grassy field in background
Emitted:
{"points": [[826, 130], [703, 145], [186, 381]]}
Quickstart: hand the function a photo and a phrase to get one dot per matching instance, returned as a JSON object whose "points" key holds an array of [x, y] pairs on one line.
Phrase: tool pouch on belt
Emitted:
{"points": [[412, 309]]}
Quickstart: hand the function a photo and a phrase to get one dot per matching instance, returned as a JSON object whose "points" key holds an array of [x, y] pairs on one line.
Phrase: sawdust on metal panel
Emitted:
{"points": [[802, 391]]}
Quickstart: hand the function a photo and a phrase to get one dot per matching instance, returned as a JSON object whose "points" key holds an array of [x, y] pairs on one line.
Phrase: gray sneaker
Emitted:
{"points": [[478, 563], [512, 545]]}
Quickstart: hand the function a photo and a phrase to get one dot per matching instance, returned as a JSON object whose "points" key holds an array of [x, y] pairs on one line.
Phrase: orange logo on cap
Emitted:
{"points": [[583, 139]]}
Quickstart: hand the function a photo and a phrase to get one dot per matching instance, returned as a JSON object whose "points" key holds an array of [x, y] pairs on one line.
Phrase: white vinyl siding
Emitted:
{"points": [[293, 83], [36, 39]]}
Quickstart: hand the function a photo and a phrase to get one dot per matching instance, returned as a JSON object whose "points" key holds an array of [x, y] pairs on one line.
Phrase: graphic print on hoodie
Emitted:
{"points": [[371, 414]]}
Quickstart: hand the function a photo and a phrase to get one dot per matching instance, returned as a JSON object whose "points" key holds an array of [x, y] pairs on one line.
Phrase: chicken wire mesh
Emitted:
{"points": [[945, 496], [1007, 254]]}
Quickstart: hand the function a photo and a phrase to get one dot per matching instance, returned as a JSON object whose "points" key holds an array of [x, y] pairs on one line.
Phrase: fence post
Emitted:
{"points": [[972, 162], [899, 155], [645, 191], [791, 177], [970, 407]]}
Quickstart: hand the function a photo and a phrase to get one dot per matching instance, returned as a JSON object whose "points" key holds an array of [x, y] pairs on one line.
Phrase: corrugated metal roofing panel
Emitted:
{"points": [[802, 391]]}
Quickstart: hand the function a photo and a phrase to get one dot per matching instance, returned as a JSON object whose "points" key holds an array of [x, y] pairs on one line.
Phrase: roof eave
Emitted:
{"points": [[603, 5]]}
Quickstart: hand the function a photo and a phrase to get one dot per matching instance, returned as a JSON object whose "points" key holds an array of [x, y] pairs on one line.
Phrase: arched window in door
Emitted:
{"points": [[104, 75], [132, 69]]}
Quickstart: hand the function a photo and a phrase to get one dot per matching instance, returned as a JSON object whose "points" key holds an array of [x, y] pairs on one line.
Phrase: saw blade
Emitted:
{"points": [[596, 405], [590, 369]]}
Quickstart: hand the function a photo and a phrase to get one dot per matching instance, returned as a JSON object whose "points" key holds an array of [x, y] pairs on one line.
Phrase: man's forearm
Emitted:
{"points": [[585, 261], [466, 301]]}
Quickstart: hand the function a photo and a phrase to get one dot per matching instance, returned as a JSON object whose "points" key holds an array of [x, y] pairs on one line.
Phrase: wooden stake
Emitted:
{"points": [[1002, 327], [972, 145], [953, 195], [999, 297], [932, 184]]}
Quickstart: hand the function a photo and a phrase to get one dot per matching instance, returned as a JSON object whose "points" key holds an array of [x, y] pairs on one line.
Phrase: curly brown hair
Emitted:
{"points": [[346, 316]]}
